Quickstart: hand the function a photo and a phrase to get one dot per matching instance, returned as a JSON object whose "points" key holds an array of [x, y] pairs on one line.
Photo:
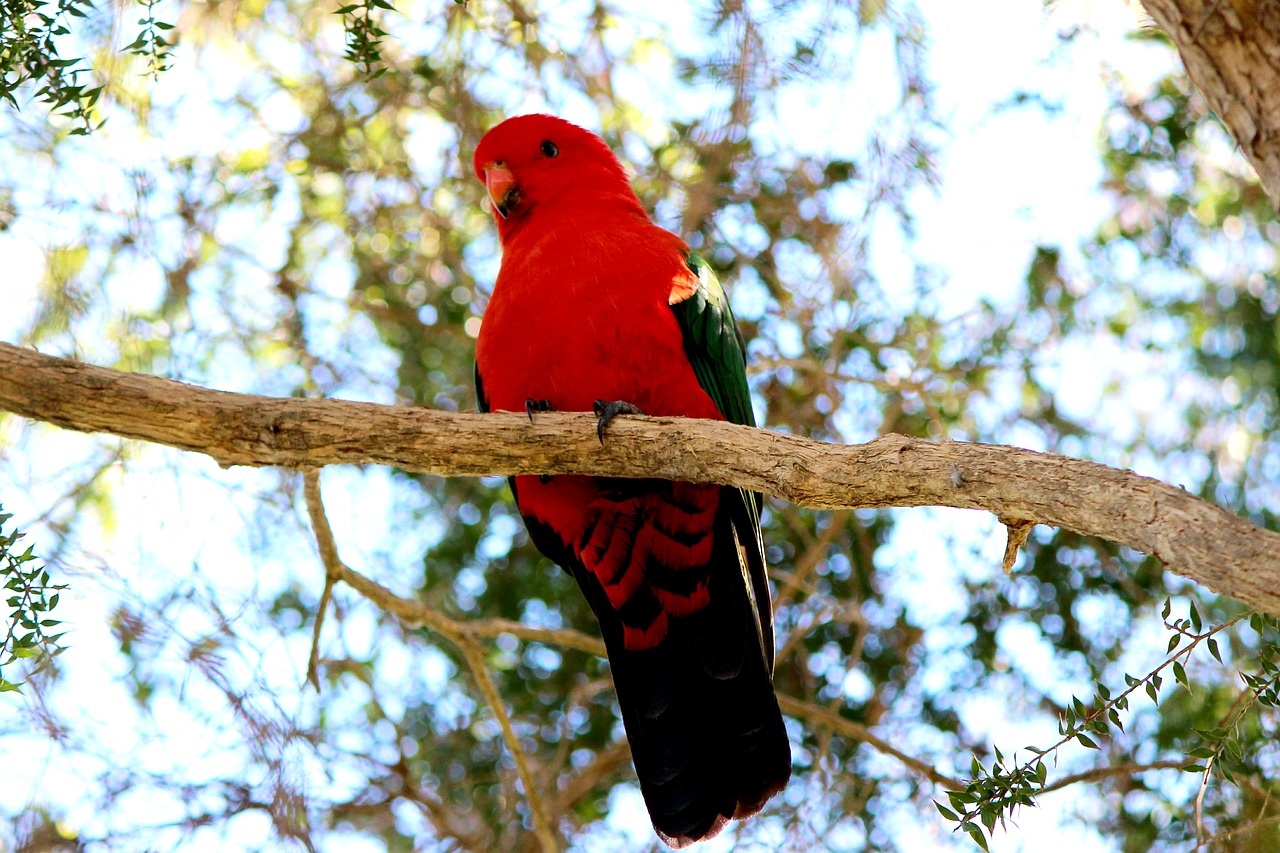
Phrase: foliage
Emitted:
{"points": [[152, 44], [30, 35], [994, 795], [27, 592], [274, 223]]}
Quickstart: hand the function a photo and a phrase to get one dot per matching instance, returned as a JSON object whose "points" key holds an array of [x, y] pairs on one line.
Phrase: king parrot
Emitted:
{"points": [[596, 308]]}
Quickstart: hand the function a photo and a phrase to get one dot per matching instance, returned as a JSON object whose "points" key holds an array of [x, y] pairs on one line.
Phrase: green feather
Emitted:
{"points": [[718, 354]]}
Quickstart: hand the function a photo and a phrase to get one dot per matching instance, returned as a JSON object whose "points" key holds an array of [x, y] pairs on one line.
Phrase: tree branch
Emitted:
{"points": [[456, 632], [1192, 537], [823, 717], [1232, 53]]}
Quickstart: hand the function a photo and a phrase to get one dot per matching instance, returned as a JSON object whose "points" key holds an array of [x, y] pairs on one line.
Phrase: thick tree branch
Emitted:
{"points": [[1192, 537], [1231, 49]]}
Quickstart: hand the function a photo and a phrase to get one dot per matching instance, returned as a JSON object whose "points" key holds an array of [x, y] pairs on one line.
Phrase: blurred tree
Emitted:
{"points": [[270, 218]]}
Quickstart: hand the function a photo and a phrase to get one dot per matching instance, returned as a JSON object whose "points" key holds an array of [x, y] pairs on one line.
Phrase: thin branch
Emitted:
{"points": [[828, 719], [1097, 774], [1248, 827], [1191, 536], [328, 556], [533, 796], [1204, 786], [457, 632]]}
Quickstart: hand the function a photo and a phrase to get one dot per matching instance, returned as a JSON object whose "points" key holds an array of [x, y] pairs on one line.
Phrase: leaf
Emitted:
{"points": [[1213, 649], [1086, 741], [946, 812], [1114, 716], [975, 832]]}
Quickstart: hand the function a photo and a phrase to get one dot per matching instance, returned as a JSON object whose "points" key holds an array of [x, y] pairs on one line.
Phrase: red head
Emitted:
{"points": [[538, 162]]}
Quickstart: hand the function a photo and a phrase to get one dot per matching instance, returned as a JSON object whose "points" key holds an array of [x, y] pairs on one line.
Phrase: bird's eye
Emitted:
{"points": [[549, 149]]}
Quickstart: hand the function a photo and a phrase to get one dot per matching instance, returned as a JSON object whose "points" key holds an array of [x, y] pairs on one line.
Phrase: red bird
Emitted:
{"points": [[596, 308]]}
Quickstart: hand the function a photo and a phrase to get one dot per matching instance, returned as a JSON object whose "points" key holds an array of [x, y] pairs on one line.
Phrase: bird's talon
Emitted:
{"points": [[610, 410], [531, 406]]}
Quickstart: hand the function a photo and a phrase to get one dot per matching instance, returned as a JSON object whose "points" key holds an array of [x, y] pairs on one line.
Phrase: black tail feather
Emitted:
{"points": [[706, 733]]}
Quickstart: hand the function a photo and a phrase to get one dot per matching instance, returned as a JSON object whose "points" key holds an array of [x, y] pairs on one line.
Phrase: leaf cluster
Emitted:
{"points": [[31, 32], [994, 794], [152, 45], [31, 598]]}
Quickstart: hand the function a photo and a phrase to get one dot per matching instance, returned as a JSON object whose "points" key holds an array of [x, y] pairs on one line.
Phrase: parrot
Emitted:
{"points": [[595, 308]]}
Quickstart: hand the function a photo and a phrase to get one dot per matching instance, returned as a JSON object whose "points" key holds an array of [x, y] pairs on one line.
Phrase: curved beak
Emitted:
{"points": [[501, 184]]}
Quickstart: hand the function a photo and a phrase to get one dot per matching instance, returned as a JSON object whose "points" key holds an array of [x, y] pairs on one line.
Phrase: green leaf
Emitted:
{"points": [[946, 812], [975, 832], [1086, 741]]}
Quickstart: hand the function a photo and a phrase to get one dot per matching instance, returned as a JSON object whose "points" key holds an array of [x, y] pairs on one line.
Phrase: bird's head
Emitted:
{"points": [[539, 161]]}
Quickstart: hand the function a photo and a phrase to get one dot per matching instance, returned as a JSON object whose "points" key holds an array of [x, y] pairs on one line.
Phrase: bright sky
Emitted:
{"points": [[1010, 180]]}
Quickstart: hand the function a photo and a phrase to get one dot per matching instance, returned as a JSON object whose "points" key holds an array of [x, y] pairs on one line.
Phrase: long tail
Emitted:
{"points": [[700, 712]]}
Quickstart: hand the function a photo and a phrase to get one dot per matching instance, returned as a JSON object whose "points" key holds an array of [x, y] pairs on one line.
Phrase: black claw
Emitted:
{"points": [[610, 410], [531, 405]]}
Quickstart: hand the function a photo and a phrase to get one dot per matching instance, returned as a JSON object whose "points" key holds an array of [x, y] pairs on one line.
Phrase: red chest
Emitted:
{"points": [[581, 314]]}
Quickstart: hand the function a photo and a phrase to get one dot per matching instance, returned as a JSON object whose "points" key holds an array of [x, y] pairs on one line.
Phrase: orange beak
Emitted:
{"points": [[501, 184]]}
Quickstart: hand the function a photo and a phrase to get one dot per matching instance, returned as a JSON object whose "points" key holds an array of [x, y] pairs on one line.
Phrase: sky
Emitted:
{"points": [[1010, 179]]}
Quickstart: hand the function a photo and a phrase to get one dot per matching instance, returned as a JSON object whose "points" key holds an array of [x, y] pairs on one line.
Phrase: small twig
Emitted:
{"points": [[1251, 825], [1204, 786], [1097, 774], [475, 660], [604, 764], [859, 732]]}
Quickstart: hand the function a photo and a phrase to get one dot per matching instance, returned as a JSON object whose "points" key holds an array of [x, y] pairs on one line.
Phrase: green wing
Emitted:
{"points": [[718, 354], [714, 345]]}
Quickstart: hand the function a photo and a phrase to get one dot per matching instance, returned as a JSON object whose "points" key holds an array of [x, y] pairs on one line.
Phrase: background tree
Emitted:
{"points": [[268, 217]]}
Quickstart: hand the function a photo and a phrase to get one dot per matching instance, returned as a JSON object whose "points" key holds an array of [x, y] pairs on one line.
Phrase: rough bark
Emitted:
{"points": [[1231, 49], [1192, 537]]}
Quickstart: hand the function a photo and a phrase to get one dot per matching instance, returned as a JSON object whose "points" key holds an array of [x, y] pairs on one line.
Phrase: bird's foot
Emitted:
{"points": [[610, 410], [531, 406]]}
